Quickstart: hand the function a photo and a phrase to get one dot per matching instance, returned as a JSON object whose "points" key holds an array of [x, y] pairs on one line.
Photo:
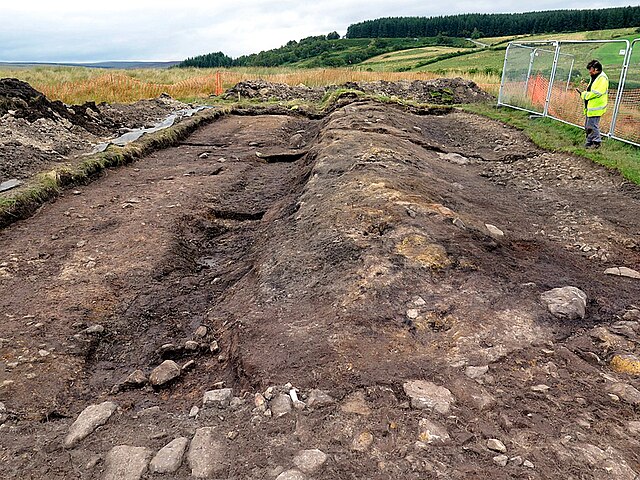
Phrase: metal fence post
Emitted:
{"points": [[504, 72], [623, 79], [551, 79]]}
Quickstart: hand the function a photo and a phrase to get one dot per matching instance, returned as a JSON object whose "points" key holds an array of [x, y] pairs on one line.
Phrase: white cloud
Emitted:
{"points": [[70, 30]]}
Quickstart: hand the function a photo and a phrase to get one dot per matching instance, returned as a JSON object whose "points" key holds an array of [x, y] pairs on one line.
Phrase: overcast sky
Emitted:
{"points": [[163, 30]]}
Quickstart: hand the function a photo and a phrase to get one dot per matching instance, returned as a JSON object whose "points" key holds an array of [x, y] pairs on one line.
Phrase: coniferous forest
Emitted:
{"points": [[497, 24]]}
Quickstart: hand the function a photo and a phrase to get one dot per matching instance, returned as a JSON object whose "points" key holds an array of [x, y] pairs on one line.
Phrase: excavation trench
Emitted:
{"points": [[363, 264]]}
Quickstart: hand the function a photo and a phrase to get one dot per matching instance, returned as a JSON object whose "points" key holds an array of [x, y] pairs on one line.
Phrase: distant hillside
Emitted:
{"points": [[497, 24], [322, 51], [118, 65]]}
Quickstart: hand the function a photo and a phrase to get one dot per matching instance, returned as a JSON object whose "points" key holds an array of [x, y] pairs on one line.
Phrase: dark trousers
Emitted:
{"points": [[592, 129]]}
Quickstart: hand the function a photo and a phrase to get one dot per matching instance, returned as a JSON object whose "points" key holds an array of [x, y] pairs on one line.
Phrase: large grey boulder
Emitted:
{"points": [[568, 303]]}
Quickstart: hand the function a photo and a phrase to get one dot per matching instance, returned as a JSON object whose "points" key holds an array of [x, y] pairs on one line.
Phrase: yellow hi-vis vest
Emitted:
{"points": [[596, 97]]}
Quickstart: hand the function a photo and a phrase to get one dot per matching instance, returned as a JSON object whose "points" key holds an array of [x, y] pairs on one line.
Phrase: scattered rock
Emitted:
{"points": [[191, 346], [494, 231], [194, 412], [501, 460], [94, 329], [632, 315], [425, 394], [292, 475], [540, 388], [566, 303], [476, 372], [201, 331], [309, 461], [356, 403], [280, 405], [634, 427], [431, 432], [496, 445], [528, 464], [220, 398], [362, 442], [454, 158], [626, 363], [626, 392], [169, 458], [206, 454], [164, 373], [91, 418], [412, 313], [297, 141], [136, 379], [125, 462], [319, 398], [622, 272]]}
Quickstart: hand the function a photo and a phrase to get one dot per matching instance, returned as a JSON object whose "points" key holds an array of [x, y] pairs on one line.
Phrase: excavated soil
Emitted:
{"points": [[349, 254]]}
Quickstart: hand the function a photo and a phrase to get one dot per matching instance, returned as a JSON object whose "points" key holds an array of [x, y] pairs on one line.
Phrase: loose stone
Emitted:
{"points": [[622, 272], [169, 458], [201, 331], [412, 313], [309, 461], [125, 462], [626, 392], [476, 372], [191, 346], [626, 363], [292, 475], [319, 398], [566, 303], [219, 398], [194, 411], [501, 460], [428, 395], [136, 379], [494, 231], [540, 388], [362, 442], [206, 454], [634, 428], [164, 373], [91, 418], [356, 403], [431, 432], [496, 445], [280, 405], [94, 329]]}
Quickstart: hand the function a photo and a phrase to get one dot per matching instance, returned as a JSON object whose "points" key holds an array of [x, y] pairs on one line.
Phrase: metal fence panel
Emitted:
{"points": [[525, 76], [541, 77], [627, 124]]}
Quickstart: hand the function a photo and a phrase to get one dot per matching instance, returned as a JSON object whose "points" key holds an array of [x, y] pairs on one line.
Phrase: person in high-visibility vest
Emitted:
{"points": [[595, 103]]}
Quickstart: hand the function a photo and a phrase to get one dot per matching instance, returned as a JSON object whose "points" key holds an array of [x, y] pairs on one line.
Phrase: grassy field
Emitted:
{"points": [[76, 85], [406, 59]]}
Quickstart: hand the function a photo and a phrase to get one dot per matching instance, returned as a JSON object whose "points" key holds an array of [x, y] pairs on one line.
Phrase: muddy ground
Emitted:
{"points": [[345, 257]]}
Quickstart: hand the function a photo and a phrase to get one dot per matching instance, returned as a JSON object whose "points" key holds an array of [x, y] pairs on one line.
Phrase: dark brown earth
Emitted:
{"points": [[358, 264]]}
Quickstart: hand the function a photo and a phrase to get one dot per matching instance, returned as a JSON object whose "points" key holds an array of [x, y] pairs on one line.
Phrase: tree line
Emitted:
{"points": [[497, 24], [320, 51]]}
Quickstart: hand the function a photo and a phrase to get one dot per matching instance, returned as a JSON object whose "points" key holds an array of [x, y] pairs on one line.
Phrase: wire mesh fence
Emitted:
{"points": [[542, 77]]}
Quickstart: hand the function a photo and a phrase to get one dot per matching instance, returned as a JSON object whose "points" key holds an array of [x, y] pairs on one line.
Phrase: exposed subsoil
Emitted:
{"points": [[348, 254]]}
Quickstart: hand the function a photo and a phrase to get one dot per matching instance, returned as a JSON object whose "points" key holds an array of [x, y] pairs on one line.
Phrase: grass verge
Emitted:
{"points": [[560, 137]]}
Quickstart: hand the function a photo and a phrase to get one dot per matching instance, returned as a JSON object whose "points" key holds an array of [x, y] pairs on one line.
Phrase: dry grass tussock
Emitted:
{"points": [[74, 85]]}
